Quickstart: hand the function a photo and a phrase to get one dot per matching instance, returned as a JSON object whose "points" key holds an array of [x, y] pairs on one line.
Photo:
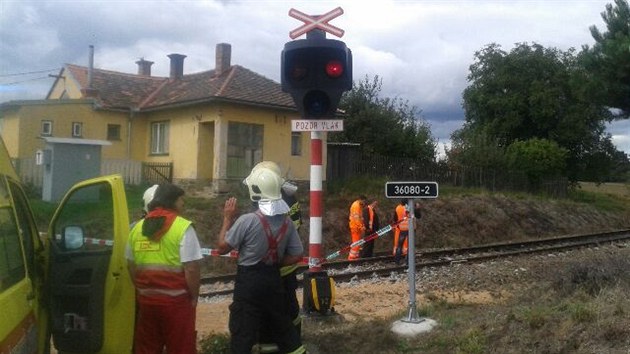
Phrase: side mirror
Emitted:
{"points": [[73, 237]]}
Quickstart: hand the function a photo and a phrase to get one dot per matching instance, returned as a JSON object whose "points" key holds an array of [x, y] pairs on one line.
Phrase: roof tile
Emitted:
{"points": [[121, 90]]}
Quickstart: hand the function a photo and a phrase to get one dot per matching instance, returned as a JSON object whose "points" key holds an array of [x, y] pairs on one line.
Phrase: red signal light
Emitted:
{"points": [[334, 69]]}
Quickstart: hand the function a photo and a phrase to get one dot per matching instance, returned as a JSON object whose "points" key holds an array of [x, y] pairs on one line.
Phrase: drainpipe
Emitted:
{"points": [[132, 113]]}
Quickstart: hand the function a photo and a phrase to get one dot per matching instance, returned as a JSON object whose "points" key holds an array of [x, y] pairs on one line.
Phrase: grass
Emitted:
{"points": [[575, 306], [538, 318]]}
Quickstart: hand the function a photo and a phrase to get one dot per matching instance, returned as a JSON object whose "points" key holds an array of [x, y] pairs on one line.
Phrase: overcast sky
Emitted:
{"points": [[421, 49]]}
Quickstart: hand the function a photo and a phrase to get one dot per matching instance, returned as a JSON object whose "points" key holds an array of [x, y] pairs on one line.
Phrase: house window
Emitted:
{"points": [[47, 127], [159, 138], [296, 144], [113, 131], [245, 143], [77, 129]]}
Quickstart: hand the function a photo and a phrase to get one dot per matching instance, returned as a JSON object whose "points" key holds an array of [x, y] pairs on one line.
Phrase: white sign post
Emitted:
{"points": [[411, 191]]}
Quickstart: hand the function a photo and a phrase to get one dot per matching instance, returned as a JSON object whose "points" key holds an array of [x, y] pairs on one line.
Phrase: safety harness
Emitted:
{"points": [[272, 251]]}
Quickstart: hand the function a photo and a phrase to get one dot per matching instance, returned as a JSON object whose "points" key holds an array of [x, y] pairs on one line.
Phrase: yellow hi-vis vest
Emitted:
{"points": [[159, 270]]}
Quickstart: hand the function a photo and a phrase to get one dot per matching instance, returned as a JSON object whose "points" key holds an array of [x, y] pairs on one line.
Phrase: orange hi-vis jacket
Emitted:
{"points": [[355, 220], [159, 275], [401, 213]]}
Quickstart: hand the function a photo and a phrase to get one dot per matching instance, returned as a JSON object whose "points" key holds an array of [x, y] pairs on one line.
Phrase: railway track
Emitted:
{"points": [[384, 266]]}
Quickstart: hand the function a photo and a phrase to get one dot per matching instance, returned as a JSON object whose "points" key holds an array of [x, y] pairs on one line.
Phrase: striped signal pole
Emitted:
{"points": [[316, 203]]}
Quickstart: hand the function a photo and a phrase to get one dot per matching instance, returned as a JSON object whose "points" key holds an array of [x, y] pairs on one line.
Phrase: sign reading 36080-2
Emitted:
{"points": [[411, 190]]}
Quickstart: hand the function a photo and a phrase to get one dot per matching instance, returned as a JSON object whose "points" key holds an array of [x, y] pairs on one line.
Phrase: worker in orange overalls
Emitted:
{"points": [[401, 231], [357, 225], [372, 224]]}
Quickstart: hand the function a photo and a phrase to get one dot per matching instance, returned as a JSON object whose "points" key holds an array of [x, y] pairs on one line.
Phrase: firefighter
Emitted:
{"points": [[356, 225], [288, 274], [401, 231], [266, 240], [164, 256], [372, 224]]}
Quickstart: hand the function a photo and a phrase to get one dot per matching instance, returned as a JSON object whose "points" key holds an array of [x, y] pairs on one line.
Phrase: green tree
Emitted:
{"points": [[538, 158], [475, 149], [609, 58], [535, 92], [384, 126]]}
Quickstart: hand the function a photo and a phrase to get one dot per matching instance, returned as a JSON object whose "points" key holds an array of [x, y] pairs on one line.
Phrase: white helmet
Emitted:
{"points": [[270, 165], [148, 195], [264, 184]]}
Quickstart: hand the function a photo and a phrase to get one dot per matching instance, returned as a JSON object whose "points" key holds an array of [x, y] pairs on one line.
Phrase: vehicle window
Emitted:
{"points": [[86, 221], [12, 268], [26, 224]]}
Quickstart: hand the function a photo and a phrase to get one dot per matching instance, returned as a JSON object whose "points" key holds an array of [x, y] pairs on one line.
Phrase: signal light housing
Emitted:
{"points": [[316, 72]]}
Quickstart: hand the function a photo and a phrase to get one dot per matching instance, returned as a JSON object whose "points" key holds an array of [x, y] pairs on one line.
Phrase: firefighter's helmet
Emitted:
{"points": [[148, 195], [264, 184], [270, 165]]}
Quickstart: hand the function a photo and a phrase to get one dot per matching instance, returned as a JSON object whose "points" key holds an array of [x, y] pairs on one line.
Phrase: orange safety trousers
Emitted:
{"points": [[356, 234]]}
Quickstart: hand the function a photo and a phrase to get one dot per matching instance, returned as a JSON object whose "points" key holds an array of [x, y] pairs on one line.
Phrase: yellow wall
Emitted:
{"points": [[191, 138], [65, 83], [9, 130], [62, 114], [191, 134], [277, 137]]}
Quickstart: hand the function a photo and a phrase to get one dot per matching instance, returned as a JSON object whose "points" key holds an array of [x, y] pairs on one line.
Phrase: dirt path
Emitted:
{"points": [[381, 299]]}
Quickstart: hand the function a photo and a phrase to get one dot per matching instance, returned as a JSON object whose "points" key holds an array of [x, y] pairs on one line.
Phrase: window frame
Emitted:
{"points": [[296, 143], [46, 123], [77, 129], [159, 138], [116, 136]]}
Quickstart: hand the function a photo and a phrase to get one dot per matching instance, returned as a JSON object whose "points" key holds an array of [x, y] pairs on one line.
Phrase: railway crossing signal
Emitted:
{"points": [[316, 71]]}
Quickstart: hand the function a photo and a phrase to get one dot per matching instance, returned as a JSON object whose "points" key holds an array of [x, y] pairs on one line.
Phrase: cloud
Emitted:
{"points": [[420, 49]]}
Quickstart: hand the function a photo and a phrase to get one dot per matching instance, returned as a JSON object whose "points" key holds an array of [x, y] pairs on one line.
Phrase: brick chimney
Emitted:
{"points": [[177, 66], [144, 67], [223, 57]]}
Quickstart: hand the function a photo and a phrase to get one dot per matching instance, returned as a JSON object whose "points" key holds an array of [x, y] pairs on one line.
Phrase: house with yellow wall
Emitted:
{"points": [[212, 126]]}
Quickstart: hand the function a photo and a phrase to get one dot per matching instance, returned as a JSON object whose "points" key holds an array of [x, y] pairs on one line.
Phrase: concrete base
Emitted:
{"points": [[405, 328]]}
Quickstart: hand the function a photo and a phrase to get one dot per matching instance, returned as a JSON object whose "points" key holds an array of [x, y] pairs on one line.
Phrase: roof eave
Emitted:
{"points": [[215, 100]]}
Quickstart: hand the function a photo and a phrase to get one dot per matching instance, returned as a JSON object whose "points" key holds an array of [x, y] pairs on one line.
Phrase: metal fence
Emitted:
{"points": [[345, 164]]}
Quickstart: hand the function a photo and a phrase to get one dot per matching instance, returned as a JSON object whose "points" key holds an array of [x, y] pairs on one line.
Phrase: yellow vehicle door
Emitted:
{"points": [[23, 317], [92, 304]]}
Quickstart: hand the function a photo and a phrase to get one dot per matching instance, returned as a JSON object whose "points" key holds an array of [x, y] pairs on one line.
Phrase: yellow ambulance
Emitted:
{"points": [[67, 290]]}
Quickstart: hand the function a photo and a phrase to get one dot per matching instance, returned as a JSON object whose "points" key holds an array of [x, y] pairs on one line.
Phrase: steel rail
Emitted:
{"points": [[445, 257]]}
